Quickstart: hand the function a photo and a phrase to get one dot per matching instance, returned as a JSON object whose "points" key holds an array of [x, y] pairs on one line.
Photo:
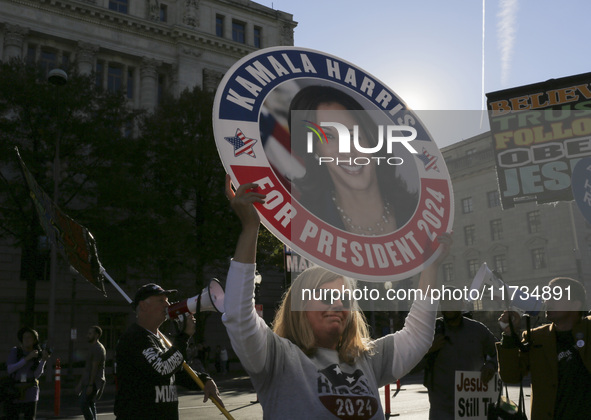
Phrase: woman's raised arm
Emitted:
{"points": [[242, 203]]}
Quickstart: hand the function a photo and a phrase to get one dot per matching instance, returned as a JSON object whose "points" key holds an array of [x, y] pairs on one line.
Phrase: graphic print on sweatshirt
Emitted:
{"points": [[346, 395]]}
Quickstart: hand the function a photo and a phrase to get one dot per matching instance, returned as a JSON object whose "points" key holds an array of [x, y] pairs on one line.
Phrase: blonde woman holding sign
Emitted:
{"points": [[318, 361]]}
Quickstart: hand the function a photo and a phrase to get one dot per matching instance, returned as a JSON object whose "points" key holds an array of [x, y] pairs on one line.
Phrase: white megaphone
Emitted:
{"points": [[490, 285], [210, 299]]}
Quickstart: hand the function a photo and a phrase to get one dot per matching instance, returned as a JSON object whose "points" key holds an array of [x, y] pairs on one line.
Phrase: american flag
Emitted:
{"points": [[242, 144], [428, 160]]}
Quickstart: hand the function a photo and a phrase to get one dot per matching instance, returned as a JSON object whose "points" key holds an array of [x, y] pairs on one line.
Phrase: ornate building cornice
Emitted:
{"points": [[173, 34]]}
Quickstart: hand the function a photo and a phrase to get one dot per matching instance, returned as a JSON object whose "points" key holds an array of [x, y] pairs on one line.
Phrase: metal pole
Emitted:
{"points": [[53, 255], [56, 77], [70, 377]]}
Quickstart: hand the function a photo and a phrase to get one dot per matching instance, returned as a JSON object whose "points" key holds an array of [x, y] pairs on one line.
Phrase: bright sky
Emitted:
{"points": [[430, 52]]}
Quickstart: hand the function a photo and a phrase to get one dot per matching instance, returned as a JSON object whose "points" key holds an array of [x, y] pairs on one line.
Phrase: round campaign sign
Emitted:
{"points": [[352, 178]]}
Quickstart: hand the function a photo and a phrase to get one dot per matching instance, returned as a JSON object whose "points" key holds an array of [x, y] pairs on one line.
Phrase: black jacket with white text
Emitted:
{"points": [[146, 371]]}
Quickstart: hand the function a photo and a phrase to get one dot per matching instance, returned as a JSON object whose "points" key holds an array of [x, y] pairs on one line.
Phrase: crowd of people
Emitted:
{"points": [[318, 356]]}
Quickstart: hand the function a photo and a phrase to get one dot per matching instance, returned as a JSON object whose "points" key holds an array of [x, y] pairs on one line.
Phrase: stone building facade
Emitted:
{"points": [[142, 46]]}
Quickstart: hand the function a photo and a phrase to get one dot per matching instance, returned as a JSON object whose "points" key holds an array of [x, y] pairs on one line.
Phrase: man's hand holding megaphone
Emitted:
{"points": [[211, 298], [210, 389], [506, 319], [510, 322]]}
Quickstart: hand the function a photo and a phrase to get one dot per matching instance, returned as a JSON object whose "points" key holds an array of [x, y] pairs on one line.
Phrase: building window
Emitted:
{"points": [[118, 5], [31, 54], [469, 235], [113, 325], [238, 31], [163, 12], [129, 87], [534, 221], [500, 262], [473, 266], [219, 25], [538, 257], [65, 60], [493, 199], [47, 60], [99, 74], [257, 36], [448, 272], [496, 229], [114, 78], [467, 205]]}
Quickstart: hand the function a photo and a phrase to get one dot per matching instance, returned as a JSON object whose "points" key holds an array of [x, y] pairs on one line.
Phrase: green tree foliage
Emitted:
{"points": [[189, 219], [153, 200], [191, 227], [88, 124], [191, 223]]}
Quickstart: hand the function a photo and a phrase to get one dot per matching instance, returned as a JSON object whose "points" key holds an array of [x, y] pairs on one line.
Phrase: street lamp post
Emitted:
{"points": [[73, 333], [388, 286], [56, 77]]}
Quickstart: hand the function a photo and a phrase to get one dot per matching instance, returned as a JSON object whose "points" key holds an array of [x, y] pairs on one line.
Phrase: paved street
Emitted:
{"points": [[411, 403], [236, 391]]}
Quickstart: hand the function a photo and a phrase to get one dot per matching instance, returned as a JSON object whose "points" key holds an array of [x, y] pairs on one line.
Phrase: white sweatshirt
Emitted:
{"points": [[291, 385]]}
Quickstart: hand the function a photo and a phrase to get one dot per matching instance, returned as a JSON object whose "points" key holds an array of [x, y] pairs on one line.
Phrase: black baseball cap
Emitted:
{"points": [[147, 290]]}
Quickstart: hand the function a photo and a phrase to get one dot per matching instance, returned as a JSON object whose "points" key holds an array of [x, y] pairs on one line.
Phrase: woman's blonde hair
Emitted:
{"points": [[291, 322]]}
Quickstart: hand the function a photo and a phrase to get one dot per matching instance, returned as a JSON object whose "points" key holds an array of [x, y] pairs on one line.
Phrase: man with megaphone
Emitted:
{"points": [[148, 370], [556, 355]]}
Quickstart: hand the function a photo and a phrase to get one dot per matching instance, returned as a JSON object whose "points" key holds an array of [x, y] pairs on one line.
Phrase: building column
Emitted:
{"points": [[13, 41], [106, 75], [211, 79], [228, 27], [59, 59], [174, 80], [187, 69], [85, 55], [249, 34], [148, 83], [124, 79], [136, 88]]}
